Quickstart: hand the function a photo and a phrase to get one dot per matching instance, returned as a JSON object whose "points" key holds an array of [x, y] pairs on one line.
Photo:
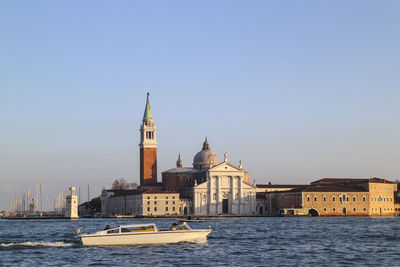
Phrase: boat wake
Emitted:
{"points": [[37, 244]]}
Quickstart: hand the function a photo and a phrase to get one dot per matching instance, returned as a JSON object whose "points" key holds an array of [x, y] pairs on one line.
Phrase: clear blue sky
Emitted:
{"points": [[298, 90]]}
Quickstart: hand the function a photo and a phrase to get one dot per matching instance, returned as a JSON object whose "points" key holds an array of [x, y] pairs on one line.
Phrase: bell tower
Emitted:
{"points": [[148, 148]]}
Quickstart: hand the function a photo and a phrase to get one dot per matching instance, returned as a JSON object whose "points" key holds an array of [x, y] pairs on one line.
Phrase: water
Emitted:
{"points": [[233, 242]]}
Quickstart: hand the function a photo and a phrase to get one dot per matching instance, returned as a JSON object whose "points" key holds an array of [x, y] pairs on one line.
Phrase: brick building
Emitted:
{"points": [[148, 148]]}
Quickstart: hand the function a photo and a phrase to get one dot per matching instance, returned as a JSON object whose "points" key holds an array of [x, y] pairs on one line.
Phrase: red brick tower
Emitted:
{"points": [[148, 148]]}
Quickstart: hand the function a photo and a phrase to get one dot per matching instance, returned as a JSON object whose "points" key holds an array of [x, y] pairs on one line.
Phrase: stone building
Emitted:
{"points": [[332, 197], [215, 188], [142, 202]]}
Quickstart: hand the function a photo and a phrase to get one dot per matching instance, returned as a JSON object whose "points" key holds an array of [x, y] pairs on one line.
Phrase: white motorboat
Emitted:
{"points": [[144, 234]]}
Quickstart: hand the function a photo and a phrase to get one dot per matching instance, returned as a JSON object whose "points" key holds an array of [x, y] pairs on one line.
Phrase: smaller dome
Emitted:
{"points": [[205, 157]]}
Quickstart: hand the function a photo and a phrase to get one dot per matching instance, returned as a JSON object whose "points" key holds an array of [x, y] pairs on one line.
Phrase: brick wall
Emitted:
{"points": [[148, 166]]}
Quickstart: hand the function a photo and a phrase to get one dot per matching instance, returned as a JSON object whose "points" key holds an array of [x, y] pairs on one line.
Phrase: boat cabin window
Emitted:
{"points": [[113, 231], [137, 229]]}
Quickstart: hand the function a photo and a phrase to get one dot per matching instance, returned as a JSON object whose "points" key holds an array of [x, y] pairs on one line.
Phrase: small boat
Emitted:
{"points": [[144, 234]]}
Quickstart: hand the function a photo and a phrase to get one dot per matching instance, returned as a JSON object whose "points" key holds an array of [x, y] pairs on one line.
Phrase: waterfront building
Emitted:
{"points": [[210, 187], [215, 188], [71, 208], [332, 197], [142, 202]]}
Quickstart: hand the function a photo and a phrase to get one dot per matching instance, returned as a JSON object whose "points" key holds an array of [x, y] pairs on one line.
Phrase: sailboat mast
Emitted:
{"points": [[41, 201]]}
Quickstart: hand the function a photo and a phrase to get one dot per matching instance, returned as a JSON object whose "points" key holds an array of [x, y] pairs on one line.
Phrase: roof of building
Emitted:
{"points": [[350, 180], [147, 111], [205, 156], [184, 170], [158, 191], [118, 193], [279, 185], [129, 192]]}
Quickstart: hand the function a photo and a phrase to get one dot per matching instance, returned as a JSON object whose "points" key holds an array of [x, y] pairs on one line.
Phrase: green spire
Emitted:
{"points": [[147, 111]]}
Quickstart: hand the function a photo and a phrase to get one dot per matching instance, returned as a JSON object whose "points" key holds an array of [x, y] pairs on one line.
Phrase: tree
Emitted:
{"points": [[122, 184]]}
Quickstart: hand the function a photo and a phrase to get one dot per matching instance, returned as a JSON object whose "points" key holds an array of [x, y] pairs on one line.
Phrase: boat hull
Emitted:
{"points": [[161, 237]]}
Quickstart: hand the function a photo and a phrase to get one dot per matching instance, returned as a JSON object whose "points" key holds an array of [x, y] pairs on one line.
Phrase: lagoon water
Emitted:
{"points": [[309, 241]]}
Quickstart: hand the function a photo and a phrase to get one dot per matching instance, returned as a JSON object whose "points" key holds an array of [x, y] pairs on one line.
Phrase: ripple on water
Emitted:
{"points": [[233, 242]]}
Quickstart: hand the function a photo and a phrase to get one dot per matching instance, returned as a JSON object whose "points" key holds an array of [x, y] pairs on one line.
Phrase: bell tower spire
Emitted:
{"points": [[179, 163], [148, 147]]}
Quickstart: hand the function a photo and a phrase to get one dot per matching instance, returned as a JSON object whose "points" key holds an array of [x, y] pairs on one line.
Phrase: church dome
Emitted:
{"points": [[205, 157]]}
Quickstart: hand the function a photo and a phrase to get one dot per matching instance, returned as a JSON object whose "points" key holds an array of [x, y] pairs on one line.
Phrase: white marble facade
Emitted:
{"points": [[224, 192]]}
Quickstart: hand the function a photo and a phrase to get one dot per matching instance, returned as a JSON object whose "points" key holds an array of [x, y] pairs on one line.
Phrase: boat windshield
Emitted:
{"points": [[182, 226], [113, 231]]}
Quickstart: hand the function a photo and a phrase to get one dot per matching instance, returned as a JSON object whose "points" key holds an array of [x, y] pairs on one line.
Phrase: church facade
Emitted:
{"points": [[215, 188]]}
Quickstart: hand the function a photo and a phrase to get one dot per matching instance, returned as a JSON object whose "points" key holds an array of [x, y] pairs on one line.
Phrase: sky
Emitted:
{"points": [[297, 90]]}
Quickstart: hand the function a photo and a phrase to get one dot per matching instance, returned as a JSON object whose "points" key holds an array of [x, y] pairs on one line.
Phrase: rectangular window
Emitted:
{"points": [[166, 202], [364, 199], [155, 197], [148, 202], [173, 197], [166, 197], [148, 197], [308, 198], [334, 209], [354, 199], [148, 209], [166, 208], [324, 198], [315, 199], [333, 199], [155, 202], [155, 208], [173, 202]]}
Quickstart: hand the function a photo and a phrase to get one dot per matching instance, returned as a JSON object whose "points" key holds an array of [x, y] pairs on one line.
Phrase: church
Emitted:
{"points": [[214, 187], [209, 187]]}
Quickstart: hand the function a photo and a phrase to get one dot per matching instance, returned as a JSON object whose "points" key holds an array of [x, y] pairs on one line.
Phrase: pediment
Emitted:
{"points": [[225, 167]]}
